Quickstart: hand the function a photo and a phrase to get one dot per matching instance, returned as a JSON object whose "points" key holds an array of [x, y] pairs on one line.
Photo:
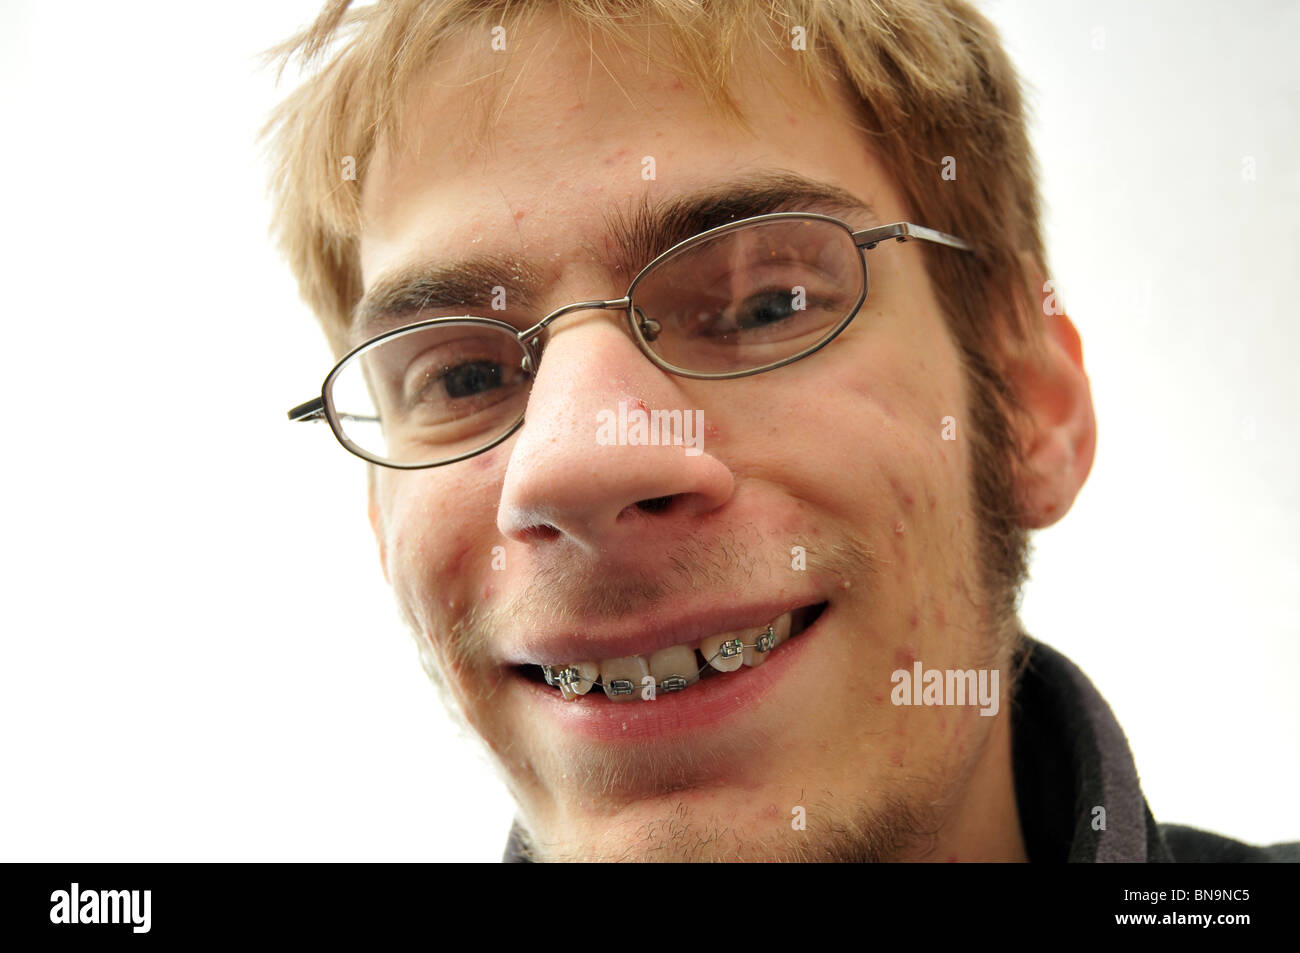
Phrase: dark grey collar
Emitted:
{"points": [[1076, 784]]}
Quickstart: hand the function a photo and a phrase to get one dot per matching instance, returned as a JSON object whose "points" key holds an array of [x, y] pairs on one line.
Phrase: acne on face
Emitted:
{"points": [[844, 446]]}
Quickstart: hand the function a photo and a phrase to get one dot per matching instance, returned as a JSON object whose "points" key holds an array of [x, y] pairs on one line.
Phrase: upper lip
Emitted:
{"points": [[650, 630]]}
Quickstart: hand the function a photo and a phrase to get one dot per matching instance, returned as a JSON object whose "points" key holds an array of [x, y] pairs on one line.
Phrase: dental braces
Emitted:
{"points": [[566, 678]]}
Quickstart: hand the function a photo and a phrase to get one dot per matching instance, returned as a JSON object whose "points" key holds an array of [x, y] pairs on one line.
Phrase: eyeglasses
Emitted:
{"points": [[740, 299]]}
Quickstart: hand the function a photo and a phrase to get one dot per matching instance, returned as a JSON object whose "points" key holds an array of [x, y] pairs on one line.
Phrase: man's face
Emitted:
{"points": [[607, 552]]}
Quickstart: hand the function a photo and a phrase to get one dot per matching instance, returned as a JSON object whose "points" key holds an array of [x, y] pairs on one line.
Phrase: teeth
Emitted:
{"points": [[631, 669], [677, 660], [780, 629], [753, 657], [572, 680], [710, 648], [622, 678], [590, 671]]}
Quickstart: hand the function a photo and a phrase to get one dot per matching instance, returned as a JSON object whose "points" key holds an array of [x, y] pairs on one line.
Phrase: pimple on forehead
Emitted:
{"points": [[618, 155]]}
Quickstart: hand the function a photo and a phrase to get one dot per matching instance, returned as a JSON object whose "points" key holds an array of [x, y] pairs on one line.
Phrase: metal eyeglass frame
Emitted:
{"points": [[643, 331]]}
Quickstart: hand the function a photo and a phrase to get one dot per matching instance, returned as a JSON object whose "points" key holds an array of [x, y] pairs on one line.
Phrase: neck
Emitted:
{"points": [[984, 825]]}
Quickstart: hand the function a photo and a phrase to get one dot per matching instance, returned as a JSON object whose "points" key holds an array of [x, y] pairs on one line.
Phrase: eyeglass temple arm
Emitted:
{"points": [[901, 231], [314, 409]]}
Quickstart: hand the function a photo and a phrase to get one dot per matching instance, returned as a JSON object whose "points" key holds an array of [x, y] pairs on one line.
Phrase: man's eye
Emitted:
{"points": [[774, 310], [765, 309], [471, 378]]}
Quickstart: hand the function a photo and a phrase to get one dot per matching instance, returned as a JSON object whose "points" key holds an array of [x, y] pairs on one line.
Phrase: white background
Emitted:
{"points": [[199, 659]]}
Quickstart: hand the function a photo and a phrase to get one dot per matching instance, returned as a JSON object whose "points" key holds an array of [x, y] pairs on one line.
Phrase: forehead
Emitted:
{"points": [[527, 152]]}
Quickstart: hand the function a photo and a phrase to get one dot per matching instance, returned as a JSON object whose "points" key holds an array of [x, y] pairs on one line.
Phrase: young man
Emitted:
{"points": [[722, 562]]}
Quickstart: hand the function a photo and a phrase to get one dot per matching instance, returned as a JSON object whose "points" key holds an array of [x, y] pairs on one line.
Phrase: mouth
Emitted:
{"points": [[675, 668]]}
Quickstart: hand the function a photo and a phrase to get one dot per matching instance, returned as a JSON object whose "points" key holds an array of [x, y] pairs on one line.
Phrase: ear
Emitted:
{"points": [[1059, 437], [376, 518]]}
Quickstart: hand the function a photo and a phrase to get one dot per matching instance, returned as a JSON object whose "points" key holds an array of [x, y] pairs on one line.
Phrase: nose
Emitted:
{"points": [[566, 480]]}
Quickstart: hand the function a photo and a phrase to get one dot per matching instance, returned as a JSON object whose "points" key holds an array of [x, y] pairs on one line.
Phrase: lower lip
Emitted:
{"points": [[672, 714]]}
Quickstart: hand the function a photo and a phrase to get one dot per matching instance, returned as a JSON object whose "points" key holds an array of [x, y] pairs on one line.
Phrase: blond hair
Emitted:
{"points": [[932, 83], [931, 79]]}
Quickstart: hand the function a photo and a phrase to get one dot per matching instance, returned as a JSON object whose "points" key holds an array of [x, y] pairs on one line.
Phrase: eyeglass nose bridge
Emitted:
{"points": [[617, 304], [528, 338]]}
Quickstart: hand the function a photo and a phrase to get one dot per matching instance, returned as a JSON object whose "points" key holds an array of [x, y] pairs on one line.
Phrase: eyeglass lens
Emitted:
{"points": [[737, 301], [750, 297]]}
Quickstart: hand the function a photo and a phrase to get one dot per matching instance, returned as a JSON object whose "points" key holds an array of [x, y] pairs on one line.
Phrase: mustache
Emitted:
{"points": [[564, 588]]}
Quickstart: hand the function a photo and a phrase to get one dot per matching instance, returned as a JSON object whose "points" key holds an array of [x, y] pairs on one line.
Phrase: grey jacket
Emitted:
{"points": [[1071, 756]]}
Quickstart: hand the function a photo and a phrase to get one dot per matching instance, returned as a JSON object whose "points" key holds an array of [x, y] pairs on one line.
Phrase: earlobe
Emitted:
{"points": [[1060, 438]]}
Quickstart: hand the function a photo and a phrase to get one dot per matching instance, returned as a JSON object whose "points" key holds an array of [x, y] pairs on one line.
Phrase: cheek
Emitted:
{"points": [[900, 397], [439, 539], [928, 528], [911, 504]]}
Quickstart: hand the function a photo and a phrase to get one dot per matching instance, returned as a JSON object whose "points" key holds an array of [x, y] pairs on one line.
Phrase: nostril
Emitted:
{"points": [[541, 532], [655, 505]]}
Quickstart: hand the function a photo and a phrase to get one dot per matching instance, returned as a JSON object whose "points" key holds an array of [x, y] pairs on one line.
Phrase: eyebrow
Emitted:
{"points": [[634, 237]]}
